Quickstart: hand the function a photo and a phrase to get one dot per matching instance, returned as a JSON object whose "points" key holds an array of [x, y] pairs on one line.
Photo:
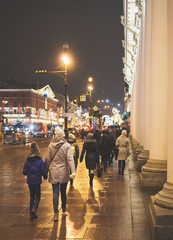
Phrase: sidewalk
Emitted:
{"points": [[112, 210]]}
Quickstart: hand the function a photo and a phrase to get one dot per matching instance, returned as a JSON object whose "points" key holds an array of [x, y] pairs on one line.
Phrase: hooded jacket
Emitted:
{"points": [[34, 168], [59, 161], [91, 149]]}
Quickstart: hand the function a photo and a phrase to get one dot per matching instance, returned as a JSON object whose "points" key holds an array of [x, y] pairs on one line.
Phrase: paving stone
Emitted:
{"points": [[112, 209]]}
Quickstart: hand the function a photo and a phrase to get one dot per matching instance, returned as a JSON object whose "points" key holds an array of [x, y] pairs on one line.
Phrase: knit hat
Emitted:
{"points": [[90, 135], [59, 133], [34, 148]]}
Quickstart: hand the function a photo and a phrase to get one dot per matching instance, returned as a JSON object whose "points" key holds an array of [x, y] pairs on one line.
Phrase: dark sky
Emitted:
{"points": [[33, 32]]}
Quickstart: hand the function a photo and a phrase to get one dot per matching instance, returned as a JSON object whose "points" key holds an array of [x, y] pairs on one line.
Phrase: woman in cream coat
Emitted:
{"points": [[123, 143], [59, 161]]}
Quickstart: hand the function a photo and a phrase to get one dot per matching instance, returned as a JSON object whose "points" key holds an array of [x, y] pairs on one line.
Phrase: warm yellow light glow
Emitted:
{"points": [[98, 101], [90, 88], [90, 79], [5, 101], [65, 60]]}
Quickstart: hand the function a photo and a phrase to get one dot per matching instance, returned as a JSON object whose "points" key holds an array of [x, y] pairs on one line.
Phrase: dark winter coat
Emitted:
{"points": [[97, 136], [34, 168], [91, 157], [106, 144]]}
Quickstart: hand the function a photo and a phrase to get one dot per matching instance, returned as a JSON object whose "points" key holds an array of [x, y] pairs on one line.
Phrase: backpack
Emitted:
{"points": [[73, 150]]}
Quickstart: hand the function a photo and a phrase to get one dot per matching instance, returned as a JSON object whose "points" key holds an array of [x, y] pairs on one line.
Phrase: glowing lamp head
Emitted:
{"points": [[90, 87], [65, 60], [90, 79]]}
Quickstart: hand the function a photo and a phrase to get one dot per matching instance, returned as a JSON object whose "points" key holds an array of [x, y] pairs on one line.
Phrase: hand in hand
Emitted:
{"points": [[72, 176]]}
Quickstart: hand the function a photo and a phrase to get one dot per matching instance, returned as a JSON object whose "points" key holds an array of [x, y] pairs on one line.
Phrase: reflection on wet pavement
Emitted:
{"points": [[112, 209]]}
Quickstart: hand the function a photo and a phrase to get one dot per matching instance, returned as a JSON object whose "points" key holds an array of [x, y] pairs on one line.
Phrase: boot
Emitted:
{"points": [[33, 214], [55, 217], [91, 179]]}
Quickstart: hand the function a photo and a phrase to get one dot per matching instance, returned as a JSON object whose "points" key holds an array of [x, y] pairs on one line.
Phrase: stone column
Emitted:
{"points": [[145, 33], [154, 172], [161, 206]]}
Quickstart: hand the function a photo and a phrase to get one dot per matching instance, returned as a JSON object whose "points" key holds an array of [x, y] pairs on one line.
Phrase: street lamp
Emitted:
{"points": [[90, 87], [66, 61]]}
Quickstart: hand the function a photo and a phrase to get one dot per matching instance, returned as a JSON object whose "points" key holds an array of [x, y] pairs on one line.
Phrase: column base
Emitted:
{"points": [[153, 174], [164, 198], [160, 222], [142, 159]]}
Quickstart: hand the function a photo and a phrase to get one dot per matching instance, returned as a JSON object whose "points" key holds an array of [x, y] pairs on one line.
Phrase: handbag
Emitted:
{"points": [[115, 164]]}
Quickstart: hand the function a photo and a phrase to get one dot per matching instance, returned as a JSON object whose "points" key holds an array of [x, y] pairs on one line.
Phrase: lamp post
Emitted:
{"points": [[90, 87], [66, 62]]}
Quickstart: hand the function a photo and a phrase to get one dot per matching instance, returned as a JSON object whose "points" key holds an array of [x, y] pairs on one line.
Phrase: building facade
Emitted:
{"points": [[29, 106], [148, 61]]}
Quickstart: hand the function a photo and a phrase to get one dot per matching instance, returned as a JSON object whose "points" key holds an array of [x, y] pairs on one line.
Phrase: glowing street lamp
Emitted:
{"points": [[90, 87], [90, 79], [66, 61]]}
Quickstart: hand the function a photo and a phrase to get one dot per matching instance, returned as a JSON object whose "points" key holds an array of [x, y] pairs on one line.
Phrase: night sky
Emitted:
{"points": [[33, 32]]}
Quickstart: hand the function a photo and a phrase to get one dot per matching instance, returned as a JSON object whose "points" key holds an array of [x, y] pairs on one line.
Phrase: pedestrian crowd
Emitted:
{"points": [[61, 161]]}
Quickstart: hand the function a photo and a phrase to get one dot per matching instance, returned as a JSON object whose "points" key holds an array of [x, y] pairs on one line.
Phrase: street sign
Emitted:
{"points": [[82, 98], [95, 108]]}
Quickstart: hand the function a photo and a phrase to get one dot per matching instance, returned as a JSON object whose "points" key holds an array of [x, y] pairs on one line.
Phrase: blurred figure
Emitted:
{"points": [[97, 136], [105, 147], [112, 146], [75, 150], [82, 134], [59, 161], [123, 143], [34, 169], [91, 157]]}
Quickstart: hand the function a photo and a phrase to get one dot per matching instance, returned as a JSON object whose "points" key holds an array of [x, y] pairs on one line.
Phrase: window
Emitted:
{"points": [[15, 103], [23, 103], [6, 94], [15, 95], [15, 111], [23, 95]]}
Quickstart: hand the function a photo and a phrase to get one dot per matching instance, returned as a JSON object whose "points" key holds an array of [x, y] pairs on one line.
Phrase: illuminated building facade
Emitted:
{"points": [[29, 105], [148, 71]]}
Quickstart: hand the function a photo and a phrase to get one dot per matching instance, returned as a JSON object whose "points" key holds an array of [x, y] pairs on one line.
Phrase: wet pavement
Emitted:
{"points": [[112, 210]]}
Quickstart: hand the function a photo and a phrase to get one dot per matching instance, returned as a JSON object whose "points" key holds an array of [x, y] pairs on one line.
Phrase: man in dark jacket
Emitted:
{"points": [[106, 147], [34, 169]]}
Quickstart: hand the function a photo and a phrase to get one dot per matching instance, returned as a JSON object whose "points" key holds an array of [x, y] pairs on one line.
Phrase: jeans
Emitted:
{"points": [[105, 159], [56, 187], [121, 166], [35, 195]]}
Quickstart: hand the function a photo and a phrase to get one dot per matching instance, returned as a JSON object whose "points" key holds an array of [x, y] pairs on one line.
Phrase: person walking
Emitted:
{"points": [[34, 169], [91, 157], [97, 136], [105, 147], [59, 162], [75, 150], [123, 143]]}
